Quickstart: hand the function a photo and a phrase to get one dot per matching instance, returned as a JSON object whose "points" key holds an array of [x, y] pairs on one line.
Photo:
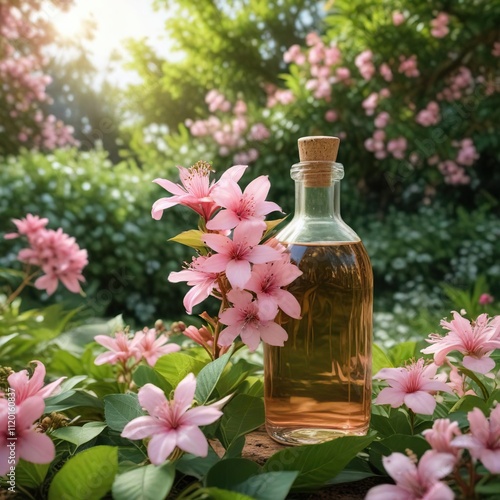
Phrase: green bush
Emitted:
{"points": [[107, 209]]}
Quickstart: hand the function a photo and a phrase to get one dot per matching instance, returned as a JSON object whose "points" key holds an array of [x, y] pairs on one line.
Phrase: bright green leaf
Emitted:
{"points": [[191, 238], [88, 475], [120, 409], [146, 375], [144, 483], [174, 367], [30, 475], [379, 359], [209, 376], [80, 435]]}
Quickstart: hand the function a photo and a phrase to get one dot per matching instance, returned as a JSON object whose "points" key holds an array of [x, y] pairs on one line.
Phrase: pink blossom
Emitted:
{"points": [[411, 385], [151, 347], [365, 65], [173, 423], [25, 387], [259, 132], [240, 108], [313, 39], [331, 116], [280, 96], [397, 18], [408, 66], [294, 55], [30, 445], [382, 119], [440, 25], [397, 147], [251, 320], [429, 116], [250, 205], [483, 442], [458, 382], [441, 434], [28, 226], [453, 174], [370, 103], [195, 191], [202, 282], [234, 256], [386, 72], [467, 153], [332, 55], [476, 340], [121, 348], [201, 336], [486, 299], [415, 482], [267, 281], [495, 51], [342, 73]]}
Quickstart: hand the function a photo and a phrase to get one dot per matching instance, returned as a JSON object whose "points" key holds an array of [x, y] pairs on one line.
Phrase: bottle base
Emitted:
{"points": [[301, 436]]}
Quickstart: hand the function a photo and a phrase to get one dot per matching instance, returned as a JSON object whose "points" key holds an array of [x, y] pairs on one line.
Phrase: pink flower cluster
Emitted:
{"points": [[459, 83], [377, 144], [365, 64], [57, 254], [246, 275], [143, 345], [409, 66], [453, 170], [23, 80], [439, 25], [20, 409], [231, 133], [429, 115], [173, 424], [397, 18]]}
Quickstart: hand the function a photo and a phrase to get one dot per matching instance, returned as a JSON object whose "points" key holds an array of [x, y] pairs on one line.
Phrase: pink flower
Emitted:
{"points": [[370, 103], [195, 191], [122, 348], [397, 147], [202, 282], [365, 65], [234, 256], [429, 116], [382, 119], [25, 387], [201, 336], [174, 423], [415, 482], [408, 66], [294, 55], [331, 116], [458, 382], [267, 281], [386, 72], [411, 385], [467, 153], [252, 322], [247, 206], [476, 340], [259, 132], [495, 51], [486, 299], [28, 226], [152, 347], [30, 445], [441, 435], [397, 18], [440, 25], [483, 442]]}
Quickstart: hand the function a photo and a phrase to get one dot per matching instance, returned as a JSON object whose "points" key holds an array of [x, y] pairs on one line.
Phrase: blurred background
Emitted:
{"points": [[98, 98]]}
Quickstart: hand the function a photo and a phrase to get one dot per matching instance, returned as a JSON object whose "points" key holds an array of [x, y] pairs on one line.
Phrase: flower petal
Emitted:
{"points": [[390, 396], [288, 303], [387, 492], [161, 446], [228, 335], [273, 334], [434, 466], [28, 411], [192, 440], [491, 460], [400, 468], [261, 254], [238, 273], [184, 394], [479, 426], [479, 365], [151, 397], [420, 402], [201, 415], [36, 447], [225, 219], [251, 337], [439, 491], [218, 242], [142, 427]]}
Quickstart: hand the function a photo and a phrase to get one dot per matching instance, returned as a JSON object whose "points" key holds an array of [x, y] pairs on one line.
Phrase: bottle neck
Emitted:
{"points": [[317, 202]]}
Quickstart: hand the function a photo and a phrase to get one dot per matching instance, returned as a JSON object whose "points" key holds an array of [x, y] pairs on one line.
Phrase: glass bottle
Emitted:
{"points": [[318, 386]]}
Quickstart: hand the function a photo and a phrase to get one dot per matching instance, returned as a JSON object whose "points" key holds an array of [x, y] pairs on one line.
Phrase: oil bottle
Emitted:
{"points": [[318, 386]]}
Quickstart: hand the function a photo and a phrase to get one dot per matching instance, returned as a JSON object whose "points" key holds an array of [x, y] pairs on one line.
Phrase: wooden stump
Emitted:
{"points": [[259, 447]]}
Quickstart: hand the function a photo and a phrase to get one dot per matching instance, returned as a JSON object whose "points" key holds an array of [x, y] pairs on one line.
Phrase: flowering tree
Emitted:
{"points": [[25, 31]]}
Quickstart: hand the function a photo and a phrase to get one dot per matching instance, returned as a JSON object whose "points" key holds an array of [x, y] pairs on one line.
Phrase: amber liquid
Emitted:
{"points": [[318, 386]]}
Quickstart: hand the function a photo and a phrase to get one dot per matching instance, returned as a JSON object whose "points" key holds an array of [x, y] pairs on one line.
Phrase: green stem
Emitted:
{"points": [[26, 281], [412, 415], [187, 492]]}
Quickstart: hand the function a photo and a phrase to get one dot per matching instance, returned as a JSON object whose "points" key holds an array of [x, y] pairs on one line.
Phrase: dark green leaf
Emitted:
{"points": [[197, 466], [227, 473], [71, 399], [396, 423], [318, 463], [268, 485], [218, 494], [30, 475], [209, 376], [120, 409]]}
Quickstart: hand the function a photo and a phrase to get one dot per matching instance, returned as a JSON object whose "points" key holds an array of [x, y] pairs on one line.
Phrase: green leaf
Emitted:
{"points": [[71, 399], [191, 238], [227, 473], [241, 415], [318, 463], [88, 475], [395, 423], [268, 485], [379, 359], [174, 367], [219, 494], [271, 225], [209, 376], [80, 435], [120, 409], [197, 467], [146, 375], [232, 377], [30, 475], [402, 352], [144, 483]]}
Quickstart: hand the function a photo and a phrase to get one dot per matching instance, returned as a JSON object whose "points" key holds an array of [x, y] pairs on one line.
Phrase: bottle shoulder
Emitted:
{"points": [[313, 230]]}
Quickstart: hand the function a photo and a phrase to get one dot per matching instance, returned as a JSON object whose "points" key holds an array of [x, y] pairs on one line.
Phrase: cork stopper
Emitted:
{"points": [[322, 151]]}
